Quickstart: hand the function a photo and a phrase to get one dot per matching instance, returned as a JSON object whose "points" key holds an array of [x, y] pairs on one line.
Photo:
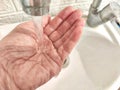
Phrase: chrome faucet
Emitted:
{"points": [[96, 17], [36, 7]]}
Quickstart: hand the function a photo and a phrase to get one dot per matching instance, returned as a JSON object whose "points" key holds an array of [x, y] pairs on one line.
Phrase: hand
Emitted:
{"points": [[26, 62]]}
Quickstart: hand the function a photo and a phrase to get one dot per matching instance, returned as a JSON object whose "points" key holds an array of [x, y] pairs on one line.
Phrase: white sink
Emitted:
{"points": [[93, 65], [99, 49]]}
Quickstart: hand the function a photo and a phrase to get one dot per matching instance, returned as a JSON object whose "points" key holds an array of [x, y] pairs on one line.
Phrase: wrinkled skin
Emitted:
{"points": [[30, 62]]}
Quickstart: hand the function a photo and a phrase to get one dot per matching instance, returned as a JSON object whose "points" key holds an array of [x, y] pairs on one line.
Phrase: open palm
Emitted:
{"points": [[30, 62]]}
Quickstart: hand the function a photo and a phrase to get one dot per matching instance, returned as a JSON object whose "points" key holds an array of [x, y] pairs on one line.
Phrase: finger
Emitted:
{"points": [[54, 24], [46, 20], [79, 23], [68, 45], [66, 25]]}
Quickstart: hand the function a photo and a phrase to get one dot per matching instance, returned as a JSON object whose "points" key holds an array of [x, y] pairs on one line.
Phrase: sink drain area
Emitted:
{"points": [[66, 63]]}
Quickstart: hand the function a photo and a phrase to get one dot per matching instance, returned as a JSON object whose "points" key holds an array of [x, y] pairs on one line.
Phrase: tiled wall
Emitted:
{"points": [[11, 11]]}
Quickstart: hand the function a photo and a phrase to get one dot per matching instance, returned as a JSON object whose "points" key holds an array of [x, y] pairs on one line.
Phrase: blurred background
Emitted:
{"points": [[11, 10]]}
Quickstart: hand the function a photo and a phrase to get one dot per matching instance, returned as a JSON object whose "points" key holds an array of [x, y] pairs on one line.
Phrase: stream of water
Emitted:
{"points": [[37, 20]]}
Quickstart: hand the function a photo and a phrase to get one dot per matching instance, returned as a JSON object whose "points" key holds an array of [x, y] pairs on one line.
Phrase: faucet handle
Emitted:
{"points": [[96, 18]]}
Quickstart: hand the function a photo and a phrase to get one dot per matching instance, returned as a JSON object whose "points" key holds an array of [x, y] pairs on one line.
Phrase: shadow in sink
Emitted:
{"points": [[101, 58]]}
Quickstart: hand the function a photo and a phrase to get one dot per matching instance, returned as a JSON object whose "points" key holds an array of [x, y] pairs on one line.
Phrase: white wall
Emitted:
{"points": [[11, 11]]}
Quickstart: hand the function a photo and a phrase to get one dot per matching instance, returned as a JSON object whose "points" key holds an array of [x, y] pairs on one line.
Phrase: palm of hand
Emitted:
{"points": [[29, 63]]}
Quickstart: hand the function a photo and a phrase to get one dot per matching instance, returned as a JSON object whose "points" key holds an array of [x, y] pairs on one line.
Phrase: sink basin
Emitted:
{"points": [[93, 64], [99, 49]]}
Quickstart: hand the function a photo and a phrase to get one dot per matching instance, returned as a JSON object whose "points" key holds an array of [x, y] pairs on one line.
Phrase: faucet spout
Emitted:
{"points": [[36, 7], [96, 18], [96, 3]]}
